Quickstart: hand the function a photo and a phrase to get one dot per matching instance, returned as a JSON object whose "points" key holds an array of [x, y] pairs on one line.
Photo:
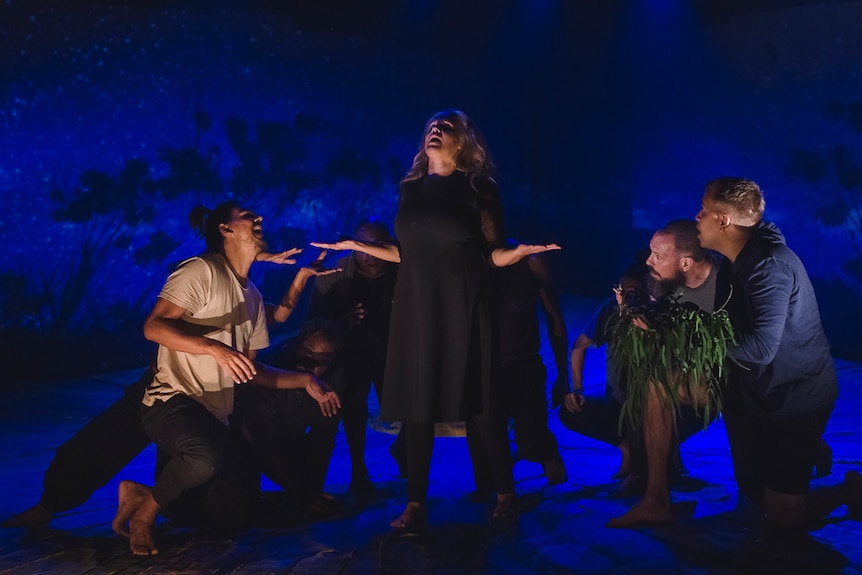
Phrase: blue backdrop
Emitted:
{"points": [[605, 118]]}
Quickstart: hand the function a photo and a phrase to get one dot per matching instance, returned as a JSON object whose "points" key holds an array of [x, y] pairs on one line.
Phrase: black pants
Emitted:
{"points": [[526, 402], [776, 455], [292, 441], [96, 453], [600, 419], [361, 369], [489, 434], [205, 479]]}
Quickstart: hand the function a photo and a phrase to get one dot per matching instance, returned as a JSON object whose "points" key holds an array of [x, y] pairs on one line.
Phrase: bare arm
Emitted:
{"points": [[385, 252], [502, 257], [574, 400], [280, 313], [164, 326], [274, 378], [491, 217], [556, 324]]}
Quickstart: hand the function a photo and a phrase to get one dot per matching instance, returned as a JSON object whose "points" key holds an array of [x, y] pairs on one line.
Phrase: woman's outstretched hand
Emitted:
{"points": [[338, 246], [529, 249]]}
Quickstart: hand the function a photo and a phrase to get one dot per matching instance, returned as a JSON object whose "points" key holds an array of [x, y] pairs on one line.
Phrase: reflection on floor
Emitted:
{"points": [[560, 530]]}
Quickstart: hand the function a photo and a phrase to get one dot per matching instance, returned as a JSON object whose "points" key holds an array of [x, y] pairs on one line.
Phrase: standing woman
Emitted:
{"points": [[440, 360]]}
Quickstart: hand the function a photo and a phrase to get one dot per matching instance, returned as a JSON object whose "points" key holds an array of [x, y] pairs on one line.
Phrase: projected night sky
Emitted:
{"points": [[116, 120]]}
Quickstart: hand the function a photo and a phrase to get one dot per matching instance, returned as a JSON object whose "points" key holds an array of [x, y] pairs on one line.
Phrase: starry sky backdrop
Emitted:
{"points": [[605, 118]]}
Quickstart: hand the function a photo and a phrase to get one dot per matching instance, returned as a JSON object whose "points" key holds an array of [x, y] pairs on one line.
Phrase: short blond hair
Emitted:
{"points": [[742, 198]]}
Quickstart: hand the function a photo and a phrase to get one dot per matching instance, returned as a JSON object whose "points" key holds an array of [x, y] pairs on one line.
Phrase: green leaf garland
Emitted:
{"points": [[683, 348]]}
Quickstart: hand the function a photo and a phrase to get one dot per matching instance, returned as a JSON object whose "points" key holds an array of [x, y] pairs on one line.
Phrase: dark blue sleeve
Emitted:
{"points": [[768, 288]]}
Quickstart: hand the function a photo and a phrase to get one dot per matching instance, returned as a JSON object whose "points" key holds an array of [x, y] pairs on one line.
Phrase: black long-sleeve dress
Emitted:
{"points": [[442, 338]]}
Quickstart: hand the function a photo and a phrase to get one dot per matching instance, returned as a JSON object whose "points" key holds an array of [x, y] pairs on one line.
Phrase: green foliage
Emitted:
{"points": [[683, 349]]}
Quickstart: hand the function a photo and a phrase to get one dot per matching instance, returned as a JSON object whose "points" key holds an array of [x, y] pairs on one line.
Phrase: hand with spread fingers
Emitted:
{"points": [[324, 396], [282, 258]]}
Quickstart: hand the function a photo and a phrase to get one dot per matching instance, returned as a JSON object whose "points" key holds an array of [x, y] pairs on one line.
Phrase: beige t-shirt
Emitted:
{"points": [[219, 308]]}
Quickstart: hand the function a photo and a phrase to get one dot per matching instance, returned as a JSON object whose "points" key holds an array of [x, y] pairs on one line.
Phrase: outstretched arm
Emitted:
{"points": [[274, 378], [502, 257], [386, 252], [280, 313], [556, 325]]}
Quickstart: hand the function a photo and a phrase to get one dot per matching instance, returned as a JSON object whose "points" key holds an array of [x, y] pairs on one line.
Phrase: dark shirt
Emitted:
{"points": [[784, 366], [516, 295], [336, 294]]}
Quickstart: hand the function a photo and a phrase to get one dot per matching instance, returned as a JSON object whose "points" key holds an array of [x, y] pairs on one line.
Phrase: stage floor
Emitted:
{"points": [[560, 529]]}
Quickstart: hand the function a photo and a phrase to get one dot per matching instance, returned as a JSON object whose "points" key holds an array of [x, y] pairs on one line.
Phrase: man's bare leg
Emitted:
{"points": [[412, 516], [658, 436], [797, 511], [131, 496]]}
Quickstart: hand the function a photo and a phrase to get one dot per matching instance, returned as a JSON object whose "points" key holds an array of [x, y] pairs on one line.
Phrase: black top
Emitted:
{"points": [[335, 294], [783, 364], [516, 296], [439, 358]]}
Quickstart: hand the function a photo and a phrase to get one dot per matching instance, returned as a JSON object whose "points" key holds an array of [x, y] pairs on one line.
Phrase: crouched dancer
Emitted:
{"points": [[209, 322]]}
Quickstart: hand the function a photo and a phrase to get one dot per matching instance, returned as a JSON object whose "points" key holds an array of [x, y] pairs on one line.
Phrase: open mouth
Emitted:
{"points": [[435, 141], [257, 231]]}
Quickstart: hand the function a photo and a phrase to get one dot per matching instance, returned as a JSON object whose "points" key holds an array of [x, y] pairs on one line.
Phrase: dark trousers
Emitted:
{"points": [[489, 441], [292, 441], [776, 455], [526, 403], [600, 419], [96, 453], [203, 465], [360, 371]]}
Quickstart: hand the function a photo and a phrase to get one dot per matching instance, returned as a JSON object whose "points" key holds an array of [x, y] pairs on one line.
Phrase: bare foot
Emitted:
{"points": [[131, 496], [641, 513], [141, 540], [506, 506], [412, 516], [853, 481], [36, 515]]}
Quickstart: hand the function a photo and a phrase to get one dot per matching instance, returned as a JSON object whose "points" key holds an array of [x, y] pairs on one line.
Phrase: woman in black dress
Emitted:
{"points": [[440, 361]]}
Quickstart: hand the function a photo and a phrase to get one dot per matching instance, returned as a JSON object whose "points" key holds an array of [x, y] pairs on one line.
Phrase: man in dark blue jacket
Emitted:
{"points": [[783, 384]]}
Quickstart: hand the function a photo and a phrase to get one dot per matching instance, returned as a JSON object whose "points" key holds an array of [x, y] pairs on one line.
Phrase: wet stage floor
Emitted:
{"points": [[560, 530]]}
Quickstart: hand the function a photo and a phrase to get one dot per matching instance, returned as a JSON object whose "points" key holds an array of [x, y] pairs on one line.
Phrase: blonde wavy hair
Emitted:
{"points": [[473, 156]]}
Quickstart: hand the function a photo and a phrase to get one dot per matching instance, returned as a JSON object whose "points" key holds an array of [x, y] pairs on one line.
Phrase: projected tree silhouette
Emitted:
{"points": [[838, 172], [117, 224], [107, 212], [273, 168]]}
